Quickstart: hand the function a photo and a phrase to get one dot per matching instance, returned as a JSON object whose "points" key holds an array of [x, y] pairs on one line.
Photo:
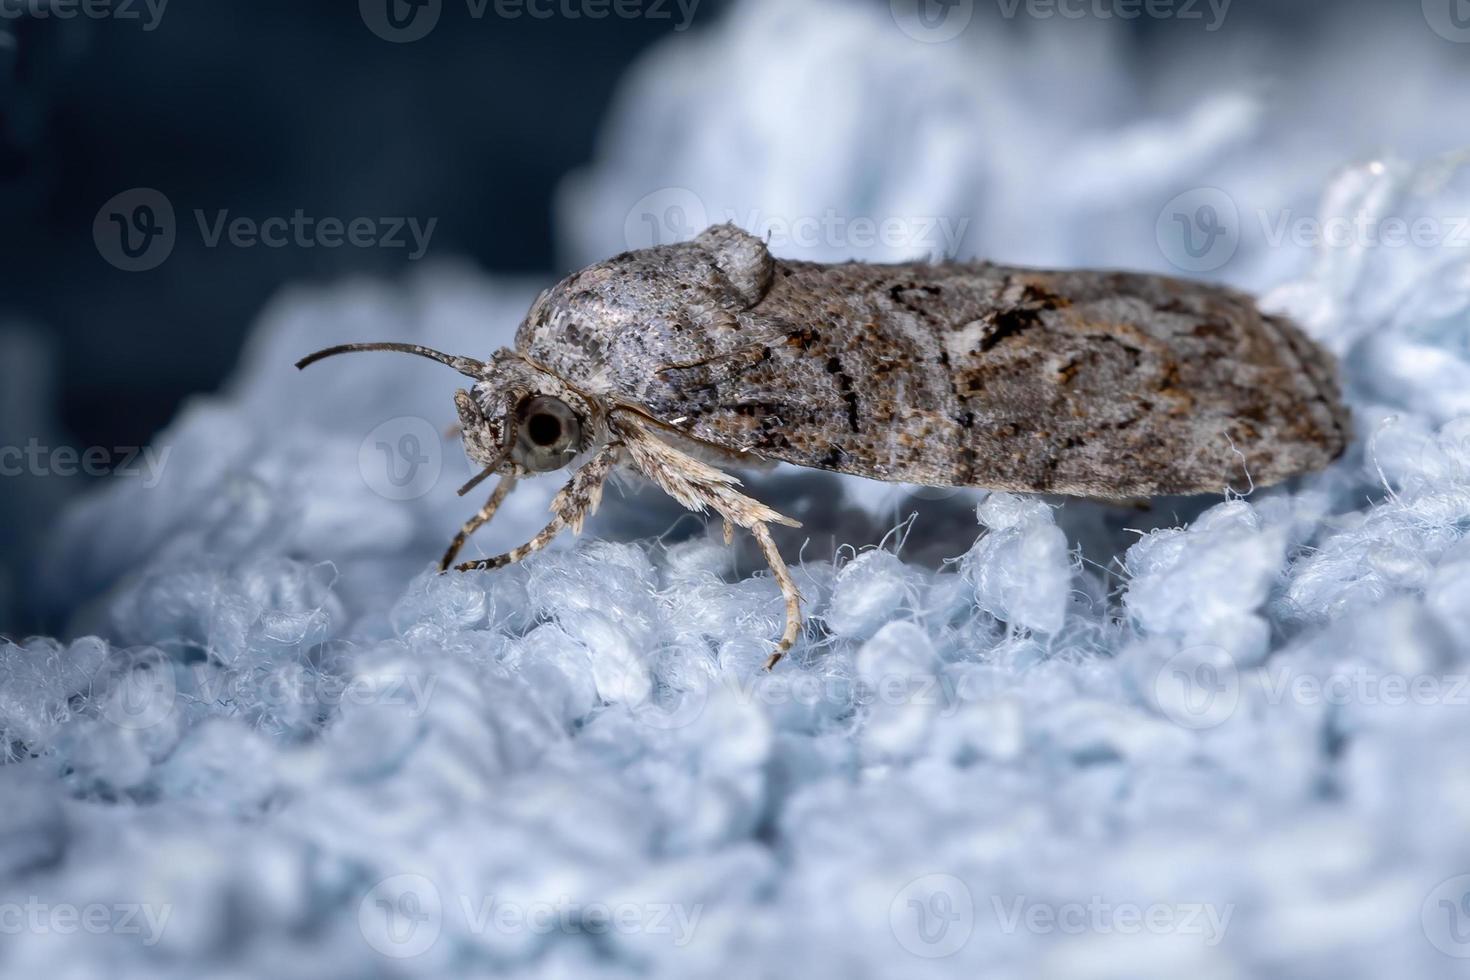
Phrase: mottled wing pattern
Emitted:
{"points": [[1095, 384]]}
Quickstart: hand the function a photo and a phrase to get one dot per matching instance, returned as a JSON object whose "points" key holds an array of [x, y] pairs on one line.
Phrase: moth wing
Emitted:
{"points": [[1092, 384]]}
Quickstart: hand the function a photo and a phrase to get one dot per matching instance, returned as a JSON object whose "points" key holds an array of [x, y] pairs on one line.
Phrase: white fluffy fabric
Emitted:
{"points": [[1220, 738]]}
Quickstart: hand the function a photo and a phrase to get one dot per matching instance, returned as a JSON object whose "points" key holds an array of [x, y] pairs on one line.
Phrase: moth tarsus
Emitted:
{"points": [[1108, 385], [486, 513]]}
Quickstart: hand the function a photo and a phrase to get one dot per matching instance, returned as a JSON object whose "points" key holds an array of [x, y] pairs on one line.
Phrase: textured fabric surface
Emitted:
{"points": [[1022, 737]]}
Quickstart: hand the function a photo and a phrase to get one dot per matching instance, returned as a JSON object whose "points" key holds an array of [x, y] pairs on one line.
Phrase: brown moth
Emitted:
{"points": [[670, 359]]}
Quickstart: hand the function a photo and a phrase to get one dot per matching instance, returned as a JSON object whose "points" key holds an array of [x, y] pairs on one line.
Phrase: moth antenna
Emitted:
{"points": [[478, 478], [464, 365]]}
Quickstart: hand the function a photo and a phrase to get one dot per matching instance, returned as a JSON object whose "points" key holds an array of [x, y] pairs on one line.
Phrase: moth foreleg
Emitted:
{"points": [[502, 490], [701, 487], [572, 506]]}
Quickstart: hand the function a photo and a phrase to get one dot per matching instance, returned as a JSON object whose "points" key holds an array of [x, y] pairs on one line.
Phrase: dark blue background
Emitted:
{"points": [[263, 107]]}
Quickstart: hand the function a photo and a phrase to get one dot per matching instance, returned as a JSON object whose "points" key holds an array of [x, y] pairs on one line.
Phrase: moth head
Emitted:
{"points": [[518, 418], [515, 419]]}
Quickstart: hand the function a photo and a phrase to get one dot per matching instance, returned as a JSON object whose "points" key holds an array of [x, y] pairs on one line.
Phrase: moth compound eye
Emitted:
{"points": [[549, 433], [544, 429]]}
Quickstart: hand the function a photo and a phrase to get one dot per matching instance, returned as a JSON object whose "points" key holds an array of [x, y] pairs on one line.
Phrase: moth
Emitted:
{"points": [[680, 361]]}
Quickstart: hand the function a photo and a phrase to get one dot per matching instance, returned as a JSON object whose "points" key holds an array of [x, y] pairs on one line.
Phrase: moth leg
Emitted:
{"points": [[502, 490], [572, 506], [701, 487], [788, 590]]}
